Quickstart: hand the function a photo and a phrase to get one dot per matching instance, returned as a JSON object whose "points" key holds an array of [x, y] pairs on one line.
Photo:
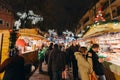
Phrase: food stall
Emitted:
{"points": [[28, 52], [28, 42], [107, 35]]}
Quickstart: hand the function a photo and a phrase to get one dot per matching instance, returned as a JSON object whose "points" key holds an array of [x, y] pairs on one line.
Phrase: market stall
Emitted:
{"points": [[107, 35], [28, 42], [4, 46]]}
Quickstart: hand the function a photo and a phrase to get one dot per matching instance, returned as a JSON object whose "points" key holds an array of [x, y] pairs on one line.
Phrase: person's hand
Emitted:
{"points": [[89, 54]]}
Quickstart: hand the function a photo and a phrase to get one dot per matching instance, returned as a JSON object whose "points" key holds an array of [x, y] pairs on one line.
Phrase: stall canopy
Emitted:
{"points": [[97, 29], [34, 33]]}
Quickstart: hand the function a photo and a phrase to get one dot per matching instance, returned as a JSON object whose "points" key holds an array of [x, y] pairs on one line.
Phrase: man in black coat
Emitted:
{"points": [[97, 62], [56, 63], [70, 51]]}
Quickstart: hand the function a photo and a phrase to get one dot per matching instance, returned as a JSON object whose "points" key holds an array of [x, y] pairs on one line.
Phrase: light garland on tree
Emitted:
{"points": [[27, 16]]}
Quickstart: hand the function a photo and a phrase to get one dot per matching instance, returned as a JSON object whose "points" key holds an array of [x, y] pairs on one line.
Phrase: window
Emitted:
{"points": [[113, 11], [107, 15], [118, 10], [8, 11], [105, 5], [7, 25], [3, 7], [1, 21]]}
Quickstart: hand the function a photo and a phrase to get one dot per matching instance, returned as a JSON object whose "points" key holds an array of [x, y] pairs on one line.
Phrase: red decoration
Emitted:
{"points": [[99, 16], [21, 43], [11, 30]]}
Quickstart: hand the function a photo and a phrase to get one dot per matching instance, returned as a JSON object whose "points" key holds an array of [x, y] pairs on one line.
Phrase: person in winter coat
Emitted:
{"points": [[84, 63], [13, 66], [55, 64], [48, 52], [41, 56], [71, 57], [97, 62]]}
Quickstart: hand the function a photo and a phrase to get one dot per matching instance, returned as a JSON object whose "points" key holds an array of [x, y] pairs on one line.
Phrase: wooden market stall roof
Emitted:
{"points": [[102, 28], [31, 33]]}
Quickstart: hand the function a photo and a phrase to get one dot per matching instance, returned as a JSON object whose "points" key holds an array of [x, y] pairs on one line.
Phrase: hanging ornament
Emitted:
{"points": [[99, 17]]}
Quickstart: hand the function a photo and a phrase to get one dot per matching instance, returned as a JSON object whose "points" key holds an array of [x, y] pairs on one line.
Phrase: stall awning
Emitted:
{"points": [[103, 28]]}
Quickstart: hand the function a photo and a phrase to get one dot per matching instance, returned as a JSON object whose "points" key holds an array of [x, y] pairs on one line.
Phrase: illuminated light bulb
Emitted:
{"points": [[88, 26], [115, 24], [98, 23], [105, 24], [94, 25]]}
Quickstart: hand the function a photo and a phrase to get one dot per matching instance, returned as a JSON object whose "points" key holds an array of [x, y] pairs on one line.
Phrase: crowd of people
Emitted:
{"points": [[60, 60], [78, 58]]}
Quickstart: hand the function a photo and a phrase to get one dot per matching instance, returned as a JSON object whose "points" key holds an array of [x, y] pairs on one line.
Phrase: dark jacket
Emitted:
{"points": [[97, 66], [14, 68], [56, 61], [47, 54]]}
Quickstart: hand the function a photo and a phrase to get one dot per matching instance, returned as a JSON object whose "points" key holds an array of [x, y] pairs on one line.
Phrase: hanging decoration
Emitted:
{"points": [[99, 17], [52, 35], [69, 36]]}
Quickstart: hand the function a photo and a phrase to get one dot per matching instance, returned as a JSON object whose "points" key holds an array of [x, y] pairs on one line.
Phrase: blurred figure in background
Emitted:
{"points": [[55, 63], [48, 52], [41, 57], [13, 66], [72, 61]]}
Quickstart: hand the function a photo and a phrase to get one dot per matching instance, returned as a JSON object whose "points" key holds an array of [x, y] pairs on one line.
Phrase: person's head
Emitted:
{"points": [[83, 50], [42, 46], [56, 46], [13, 52], [95, 47], [51, 45]]}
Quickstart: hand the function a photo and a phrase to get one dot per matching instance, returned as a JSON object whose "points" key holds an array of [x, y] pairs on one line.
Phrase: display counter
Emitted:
{"points": [[107, 35], [30, 57], [112, 71]]}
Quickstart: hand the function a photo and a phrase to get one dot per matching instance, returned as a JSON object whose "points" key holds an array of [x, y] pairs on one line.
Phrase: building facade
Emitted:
{"points": [[110, 11], [6, 16]]}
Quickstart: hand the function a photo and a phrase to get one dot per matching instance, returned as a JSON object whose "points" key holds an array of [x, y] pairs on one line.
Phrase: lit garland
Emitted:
{"points": [[100, 23]]}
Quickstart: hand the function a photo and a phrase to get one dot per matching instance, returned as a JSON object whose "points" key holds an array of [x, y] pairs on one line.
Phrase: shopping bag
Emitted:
{"points": [[63, 74], [66, 74], [93, 76]]}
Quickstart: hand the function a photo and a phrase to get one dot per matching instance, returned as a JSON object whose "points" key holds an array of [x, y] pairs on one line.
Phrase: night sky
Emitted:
{"points": [[58, 14]]}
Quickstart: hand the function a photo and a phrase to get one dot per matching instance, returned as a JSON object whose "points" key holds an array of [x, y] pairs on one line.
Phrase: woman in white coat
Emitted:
{"points": [[84, 62]]}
